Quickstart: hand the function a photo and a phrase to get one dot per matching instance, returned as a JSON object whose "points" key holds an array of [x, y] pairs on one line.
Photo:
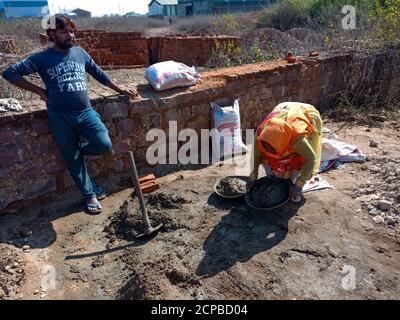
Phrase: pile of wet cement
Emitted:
{"points": [[127, 222], [269, 193], [231, 186]]}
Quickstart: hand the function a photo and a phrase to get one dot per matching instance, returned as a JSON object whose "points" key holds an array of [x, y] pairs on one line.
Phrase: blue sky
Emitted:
{"points": [[101, 7]]}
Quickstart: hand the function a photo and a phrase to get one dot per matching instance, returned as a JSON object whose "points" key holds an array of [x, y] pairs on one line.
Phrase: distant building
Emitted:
{"points": [[2, 10], [133, 14], [23, 8], [167, 8], [190, 7], [80, 13]]}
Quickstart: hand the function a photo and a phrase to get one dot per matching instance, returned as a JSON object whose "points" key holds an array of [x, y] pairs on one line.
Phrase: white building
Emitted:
{"points": [[24, 8], [168, 8]]}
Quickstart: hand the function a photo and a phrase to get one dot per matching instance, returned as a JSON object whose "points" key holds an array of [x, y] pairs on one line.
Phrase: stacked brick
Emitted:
{"points": [[128, 49], [190, 50], [8, 45], [117, 50], [112, 49]]}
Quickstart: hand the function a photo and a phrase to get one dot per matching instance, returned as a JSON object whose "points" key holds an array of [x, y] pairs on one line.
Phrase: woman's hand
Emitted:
{"points": [[250, 185], [296, 193]]}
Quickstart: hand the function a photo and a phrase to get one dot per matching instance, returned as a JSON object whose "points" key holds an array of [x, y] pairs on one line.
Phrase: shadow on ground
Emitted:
{"points": [[35, 227], [32, 225], [242, 234]]}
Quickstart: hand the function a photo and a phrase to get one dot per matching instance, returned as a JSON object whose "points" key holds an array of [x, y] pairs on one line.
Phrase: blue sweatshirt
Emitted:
{"points": [[64, 75]]}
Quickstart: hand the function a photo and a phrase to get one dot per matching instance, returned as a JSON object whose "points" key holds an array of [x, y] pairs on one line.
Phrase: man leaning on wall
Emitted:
{"points": [[63, 70]]}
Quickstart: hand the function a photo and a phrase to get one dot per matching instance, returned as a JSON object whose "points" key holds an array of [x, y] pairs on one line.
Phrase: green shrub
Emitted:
{"points": [[386, 19], [224, 55], [256, 53], [229, 54], [226, 24], [288, 14]]}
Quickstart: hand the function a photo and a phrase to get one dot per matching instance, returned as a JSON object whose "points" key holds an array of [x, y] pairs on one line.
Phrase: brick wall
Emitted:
{"points": [[190, 50], [112, 49], [115, 49], [127, 49], [30, 164]]}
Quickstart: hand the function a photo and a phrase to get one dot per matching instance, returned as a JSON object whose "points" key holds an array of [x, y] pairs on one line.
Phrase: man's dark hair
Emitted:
{"points": [[61, 22]]}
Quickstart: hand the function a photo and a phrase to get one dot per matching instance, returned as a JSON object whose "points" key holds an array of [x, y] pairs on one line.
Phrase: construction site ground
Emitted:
{"points": [[210, 248]]}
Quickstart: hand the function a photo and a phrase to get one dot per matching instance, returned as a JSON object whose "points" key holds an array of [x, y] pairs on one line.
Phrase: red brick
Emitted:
{"points": [[148, 178]]}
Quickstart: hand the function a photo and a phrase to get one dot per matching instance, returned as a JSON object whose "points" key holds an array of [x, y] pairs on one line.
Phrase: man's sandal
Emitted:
{"points": [[296, 195], [93, 207]]}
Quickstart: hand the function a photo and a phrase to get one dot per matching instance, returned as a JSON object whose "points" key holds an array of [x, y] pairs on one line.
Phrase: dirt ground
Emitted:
{"points": [[212, 248]]}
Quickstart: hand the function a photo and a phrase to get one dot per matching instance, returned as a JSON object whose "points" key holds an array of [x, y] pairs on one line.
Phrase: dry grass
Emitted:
{"points": [[122, 24], [196, 25], [25, 32]]}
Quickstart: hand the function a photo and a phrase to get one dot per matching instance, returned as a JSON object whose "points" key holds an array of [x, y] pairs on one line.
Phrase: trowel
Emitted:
{"points": [[145, 217]]}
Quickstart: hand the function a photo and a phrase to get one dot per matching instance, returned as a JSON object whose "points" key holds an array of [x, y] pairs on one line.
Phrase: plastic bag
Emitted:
{"points": [[227, 140], [10, 105], [170, 74], [333, 149]]}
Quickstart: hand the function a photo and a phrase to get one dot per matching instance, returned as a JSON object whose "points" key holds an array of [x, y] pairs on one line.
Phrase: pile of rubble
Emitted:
{"points": [[380, 195], [12, 274]]}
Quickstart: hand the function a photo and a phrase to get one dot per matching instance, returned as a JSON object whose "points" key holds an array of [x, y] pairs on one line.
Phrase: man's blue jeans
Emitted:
{"points": [[67, 129]]}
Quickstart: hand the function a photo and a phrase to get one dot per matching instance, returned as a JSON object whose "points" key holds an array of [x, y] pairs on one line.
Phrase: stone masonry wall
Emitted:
{"points": [[30, 164]]}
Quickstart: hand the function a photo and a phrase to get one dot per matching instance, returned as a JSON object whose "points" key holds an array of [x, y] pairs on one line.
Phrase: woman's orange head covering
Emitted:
{"points": [[278, 134]]}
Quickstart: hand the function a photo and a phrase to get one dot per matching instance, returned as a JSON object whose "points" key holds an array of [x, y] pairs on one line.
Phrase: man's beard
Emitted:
{"points": [[64, 44]]}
